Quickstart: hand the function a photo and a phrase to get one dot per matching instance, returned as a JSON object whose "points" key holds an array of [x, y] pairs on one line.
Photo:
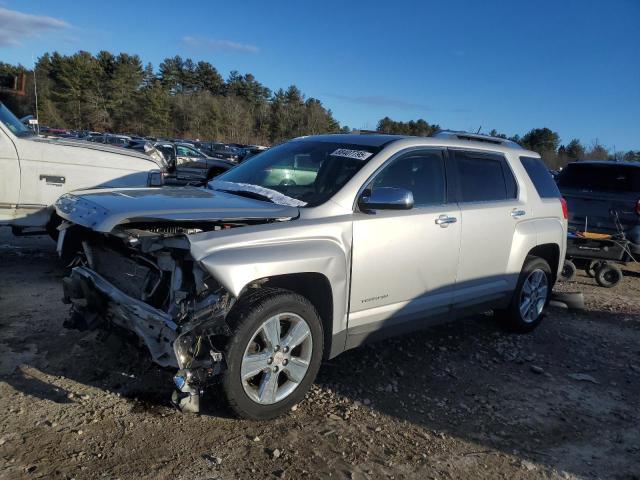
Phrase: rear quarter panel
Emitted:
{"points": [[546, 224]]}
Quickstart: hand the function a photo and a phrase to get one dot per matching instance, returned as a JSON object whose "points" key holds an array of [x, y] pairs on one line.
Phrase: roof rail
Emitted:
{"points": [[476, 137]]}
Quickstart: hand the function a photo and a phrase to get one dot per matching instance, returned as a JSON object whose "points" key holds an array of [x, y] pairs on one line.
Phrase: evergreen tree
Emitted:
{"points": [[575, 150]]}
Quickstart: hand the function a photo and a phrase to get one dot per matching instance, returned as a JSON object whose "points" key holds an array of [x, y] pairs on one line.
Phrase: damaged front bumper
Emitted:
{"points": [[186, 346]]}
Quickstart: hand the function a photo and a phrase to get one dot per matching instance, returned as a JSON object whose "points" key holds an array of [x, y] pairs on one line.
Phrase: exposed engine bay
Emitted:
{"points": [[141, 278]]}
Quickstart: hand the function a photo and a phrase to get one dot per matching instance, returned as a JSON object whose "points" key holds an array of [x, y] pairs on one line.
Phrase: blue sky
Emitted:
{"points": [[570, 65]]}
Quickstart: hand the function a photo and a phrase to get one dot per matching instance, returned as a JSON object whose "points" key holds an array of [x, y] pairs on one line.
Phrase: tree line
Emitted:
{"points": [[187, 99], [182, 98], [542, 140]]}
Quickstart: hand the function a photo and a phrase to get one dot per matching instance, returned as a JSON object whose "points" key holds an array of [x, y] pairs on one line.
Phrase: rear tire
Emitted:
{"points": [[262, 380], [530, 298]]}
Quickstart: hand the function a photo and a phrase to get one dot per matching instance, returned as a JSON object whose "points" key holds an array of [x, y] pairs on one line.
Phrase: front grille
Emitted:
{"points": [[133, 276]]}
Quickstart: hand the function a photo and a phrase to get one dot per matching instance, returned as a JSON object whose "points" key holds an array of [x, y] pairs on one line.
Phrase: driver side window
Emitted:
{"points": [[420, 172]]}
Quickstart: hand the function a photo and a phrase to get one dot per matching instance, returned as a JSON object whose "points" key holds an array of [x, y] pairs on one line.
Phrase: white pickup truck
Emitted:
{"points": [[35, 171]]}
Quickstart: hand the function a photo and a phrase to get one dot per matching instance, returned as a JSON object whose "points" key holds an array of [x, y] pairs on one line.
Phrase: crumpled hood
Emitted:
{"points": [[102, 210]]}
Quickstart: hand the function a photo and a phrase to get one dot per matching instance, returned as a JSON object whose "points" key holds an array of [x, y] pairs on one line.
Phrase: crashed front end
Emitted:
{"points": [[141, 278], [146, 283]]}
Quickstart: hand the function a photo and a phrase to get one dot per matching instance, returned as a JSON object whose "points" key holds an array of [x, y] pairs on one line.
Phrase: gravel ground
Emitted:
{"points": [[457, 401]]}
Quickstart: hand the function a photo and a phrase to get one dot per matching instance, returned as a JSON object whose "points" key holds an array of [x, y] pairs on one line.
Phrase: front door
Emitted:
{"points": [[404, 262]]}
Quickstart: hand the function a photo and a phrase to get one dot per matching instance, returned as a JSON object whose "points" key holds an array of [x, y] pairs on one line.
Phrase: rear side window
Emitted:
{"points": [[484, 177], [541, 177], [600, 176]]}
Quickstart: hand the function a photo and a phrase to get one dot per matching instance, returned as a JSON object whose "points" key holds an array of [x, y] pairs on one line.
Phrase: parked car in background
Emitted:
{"points": [[252, 150], [188, 164], [254, 280], [221, 150], [603, 197], [35, 171], [301, 171]]}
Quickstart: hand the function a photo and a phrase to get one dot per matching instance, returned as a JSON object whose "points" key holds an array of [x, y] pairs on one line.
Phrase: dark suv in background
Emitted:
{"points": [[603, 197]]}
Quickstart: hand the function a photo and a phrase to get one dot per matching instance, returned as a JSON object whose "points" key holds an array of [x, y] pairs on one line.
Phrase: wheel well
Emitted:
{"points": [[549, 252], [316, 288]]}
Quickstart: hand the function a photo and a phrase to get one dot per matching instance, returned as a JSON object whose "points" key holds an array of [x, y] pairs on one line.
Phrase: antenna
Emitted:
{"points": [[479, 128], [35, 92]]}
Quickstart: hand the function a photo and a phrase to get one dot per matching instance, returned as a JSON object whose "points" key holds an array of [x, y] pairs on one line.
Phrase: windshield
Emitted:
{"points": [[308, 171], [12, 122], [597, 176]]}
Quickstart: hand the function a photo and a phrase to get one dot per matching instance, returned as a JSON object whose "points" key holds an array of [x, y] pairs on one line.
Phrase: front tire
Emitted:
{"points": [[274, 354], [530, 298]]}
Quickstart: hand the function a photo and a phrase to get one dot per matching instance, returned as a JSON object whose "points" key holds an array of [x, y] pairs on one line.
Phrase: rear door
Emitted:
{"points": [[487, 194]]}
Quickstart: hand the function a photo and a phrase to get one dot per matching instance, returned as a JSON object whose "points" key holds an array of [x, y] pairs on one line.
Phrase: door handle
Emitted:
{"points": [[445, 220], [515, 213], [52, 178]]}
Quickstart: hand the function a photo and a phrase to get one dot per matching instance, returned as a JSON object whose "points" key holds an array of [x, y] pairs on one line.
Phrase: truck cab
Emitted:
{"points": [[35, 171]]}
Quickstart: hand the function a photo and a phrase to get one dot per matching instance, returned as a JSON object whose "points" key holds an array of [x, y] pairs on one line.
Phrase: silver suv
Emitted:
{"points": [[312, 248]]}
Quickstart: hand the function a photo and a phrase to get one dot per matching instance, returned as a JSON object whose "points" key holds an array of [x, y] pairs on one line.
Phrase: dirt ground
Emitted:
{"points": [[457, 401]]}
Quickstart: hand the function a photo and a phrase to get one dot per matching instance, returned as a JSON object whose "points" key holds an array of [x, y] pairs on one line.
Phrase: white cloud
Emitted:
{"points": [[219, 45], [17, 26]]}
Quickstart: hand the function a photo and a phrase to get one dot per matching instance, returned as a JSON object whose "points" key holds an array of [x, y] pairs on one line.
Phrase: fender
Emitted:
{"points": [[549, 230], [238, 266]]}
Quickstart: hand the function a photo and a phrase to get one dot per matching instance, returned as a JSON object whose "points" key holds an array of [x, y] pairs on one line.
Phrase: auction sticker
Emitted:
{"points": [[357, 154]]}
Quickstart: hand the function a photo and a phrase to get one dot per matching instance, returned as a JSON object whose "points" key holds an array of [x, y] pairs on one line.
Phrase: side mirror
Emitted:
{"points": [[386, 198]]}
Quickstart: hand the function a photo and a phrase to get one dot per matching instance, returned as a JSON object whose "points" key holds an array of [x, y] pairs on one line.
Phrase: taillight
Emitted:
{"points": [[565, 210], [638, 207]]}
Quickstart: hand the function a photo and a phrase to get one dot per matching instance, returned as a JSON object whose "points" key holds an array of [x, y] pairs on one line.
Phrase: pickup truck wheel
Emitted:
{"points": [[530, 298], [273, 356]]}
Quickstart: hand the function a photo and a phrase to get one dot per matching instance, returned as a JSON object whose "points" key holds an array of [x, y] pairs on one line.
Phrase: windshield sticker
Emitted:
{"points": [[357, 154]]}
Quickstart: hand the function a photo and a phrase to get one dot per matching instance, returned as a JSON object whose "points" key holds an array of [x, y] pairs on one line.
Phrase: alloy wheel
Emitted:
{"points": [[277, 358], [533, 296]]}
